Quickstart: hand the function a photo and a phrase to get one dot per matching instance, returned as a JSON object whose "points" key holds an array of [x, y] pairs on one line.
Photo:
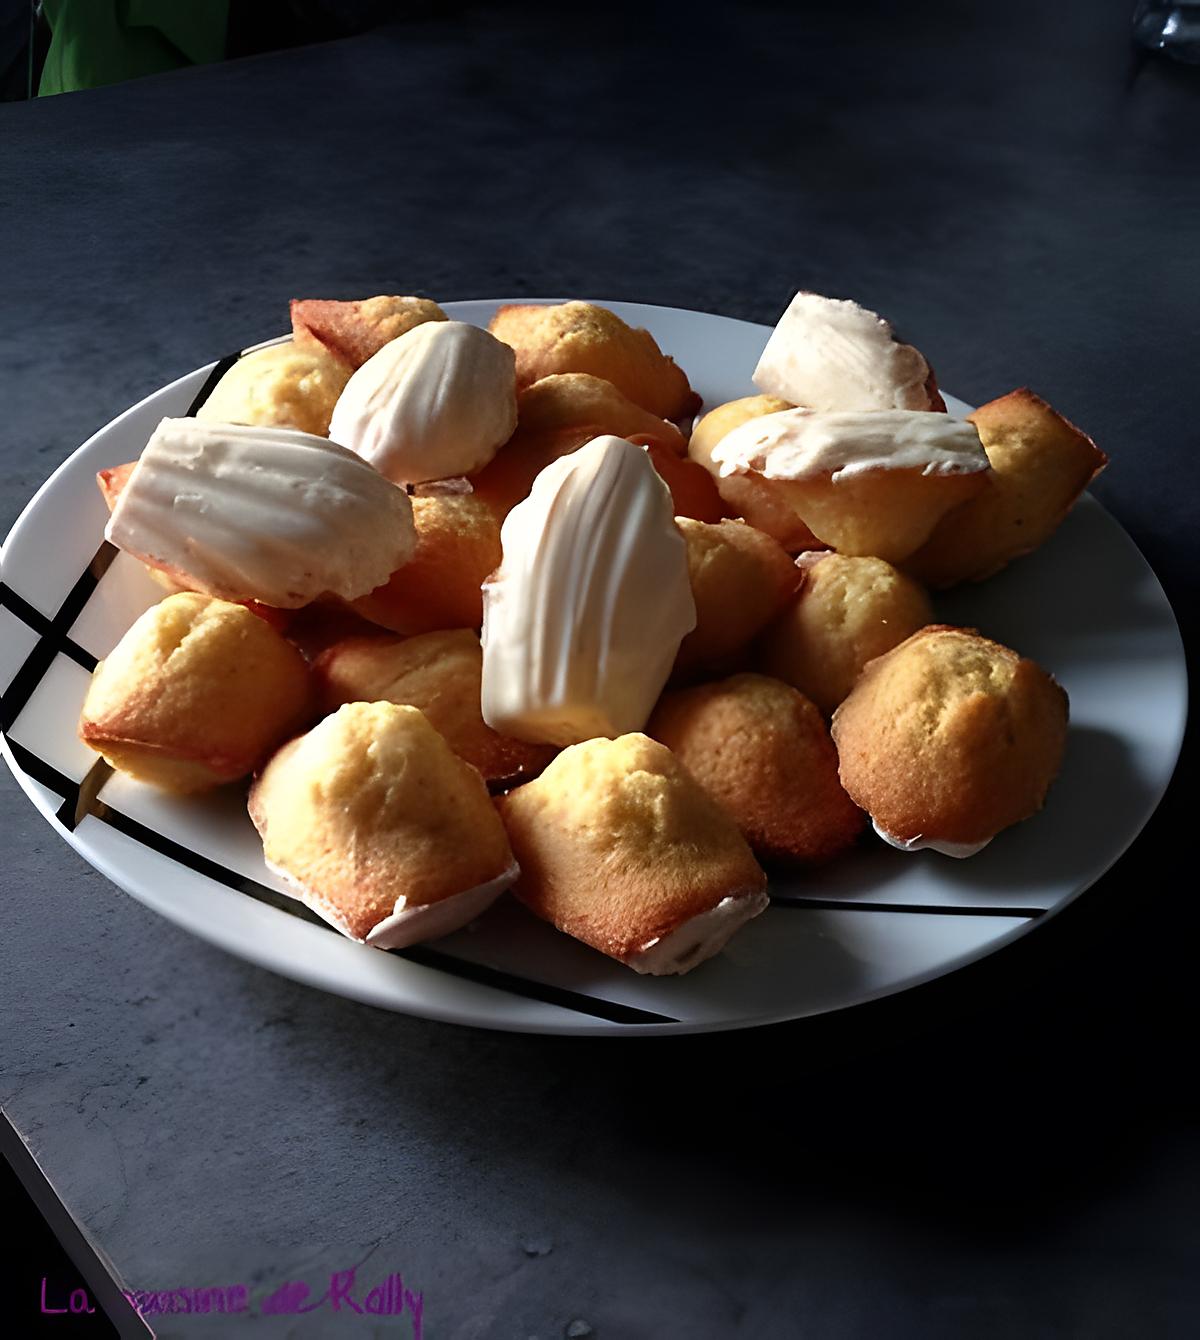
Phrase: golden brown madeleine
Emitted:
{"points": [[438, 672], [324, 622], [748, 495], [693, 492], [846, 612], [1040, 462], [113, 480], [458, 545], [565, 399], [581, 337], [762, 751], [353, 331], [620, 847], [740, 578], [880, 513], [282, 386], [198, 692], [949, 738], [508, 477], [380, 828]]}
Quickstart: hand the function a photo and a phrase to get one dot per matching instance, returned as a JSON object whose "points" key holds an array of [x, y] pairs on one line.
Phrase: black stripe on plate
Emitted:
{"points": [[446, 963], [81, 592], [933, 909], [219, 369], [77, 797], [41, 771], [53, 635], [610, 1010], [35, 619], [24, 611], [74, 652], [25, 681], [33, 670], [202, 865], [59, 782]]}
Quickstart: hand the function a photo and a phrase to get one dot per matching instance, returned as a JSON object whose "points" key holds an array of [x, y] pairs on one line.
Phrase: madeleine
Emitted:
{"points": [[740, 580], [197, 693], [847, 612], [866, 483], [457, 546], [582, 337], [621, 848], [747, 495], [353, 331], [762, 751], [1040, 462], [949, 738], [377, 826], [565, 399], [440, 673], [282, 386]]}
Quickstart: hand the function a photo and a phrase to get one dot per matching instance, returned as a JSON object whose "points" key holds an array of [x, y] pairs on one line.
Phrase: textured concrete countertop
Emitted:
{"points": [[1006, 1152]]}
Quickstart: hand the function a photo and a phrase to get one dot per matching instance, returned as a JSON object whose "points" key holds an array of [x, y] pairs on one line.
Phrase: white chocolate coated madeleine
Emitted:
{"points": [[831, 354], [799, 444], [437, 401], [862, 483], [255, 513], [583, 618]]}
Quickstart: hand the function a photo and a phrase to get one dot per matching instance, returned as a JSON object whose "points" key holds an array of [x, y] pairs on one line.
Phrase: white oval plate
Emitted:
{"points": [[1086, 606]]}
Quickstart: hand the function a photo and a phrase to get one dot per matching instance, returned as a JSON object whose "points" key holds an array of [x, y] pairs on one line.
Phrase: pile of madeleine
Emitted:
{"points": [[509, 609]]}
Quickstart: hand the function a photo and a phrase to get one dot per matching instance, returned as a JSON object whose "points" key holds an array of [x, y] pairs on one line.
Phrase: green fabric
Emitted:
{"points": [[104, 41]]}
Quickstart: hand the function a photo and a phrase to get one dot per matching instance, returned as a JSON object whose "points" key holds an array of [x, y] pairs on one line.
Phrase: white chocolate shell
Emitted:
{"points": [[831, 354], [800, 444], [699, 938], [255, 513], [436, 402], [583, 618], [407, 925], [959, 850]]}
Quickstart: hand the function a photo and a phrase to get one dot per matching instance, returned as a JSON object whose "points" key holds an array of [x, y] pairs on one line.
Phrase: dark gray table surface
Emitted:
{"points": [[1010, 1151]]}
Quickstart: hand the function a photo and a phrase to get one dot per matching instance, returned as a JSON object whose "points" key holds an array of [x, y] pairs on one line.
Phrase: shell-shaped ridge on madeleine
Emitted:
{"points": [[438, 401], [584, 616], [275, 515]]}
